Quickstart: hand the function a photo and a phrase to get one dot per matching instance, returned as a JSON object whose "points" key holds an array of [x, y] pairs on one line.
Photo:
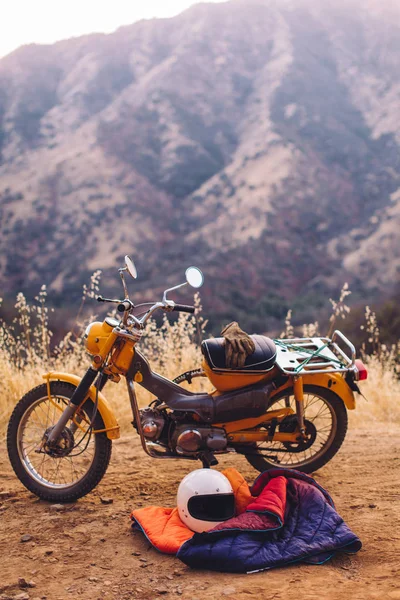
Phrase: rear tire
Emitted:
{"points": [[22, 464], [327, 452]]}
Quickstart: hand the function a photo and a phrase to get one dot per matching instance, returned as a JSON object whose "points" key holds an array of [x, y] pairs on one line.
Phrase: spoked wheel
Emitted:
{"points": [[69, 469], [326, 425]]}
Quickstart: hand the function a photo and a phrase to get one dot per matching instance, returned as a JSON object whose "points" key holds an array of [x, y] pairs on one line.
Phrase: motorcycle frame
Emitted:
{"points": [[176, 397]]}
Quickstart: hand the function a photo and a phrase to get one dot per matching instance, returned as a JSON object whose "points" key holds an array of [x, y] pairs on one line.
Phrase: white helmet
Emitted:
{"points": [[205, 499]]}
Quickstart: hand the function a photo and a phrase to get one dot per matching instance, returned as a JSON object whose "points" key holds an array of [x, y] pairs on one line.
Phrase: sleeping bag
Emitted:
{"points": [[285, 517]]}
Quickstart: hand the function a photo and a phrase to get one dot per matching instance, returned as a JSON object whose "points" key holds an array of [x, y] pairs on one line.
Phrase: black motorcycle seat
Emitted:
{"points": [[262, 359]]}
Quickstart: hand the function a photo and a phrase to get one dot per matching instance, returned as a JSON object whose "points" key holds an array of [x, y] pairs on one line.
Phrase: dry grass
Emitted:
{"points": [[25, 355], [381, 394], [171, 349]]}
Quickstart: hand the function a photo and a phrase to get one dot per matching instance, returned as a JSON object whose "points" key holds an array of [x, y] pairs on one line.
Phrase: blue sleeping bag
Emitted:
{"points": [[311, 530]]}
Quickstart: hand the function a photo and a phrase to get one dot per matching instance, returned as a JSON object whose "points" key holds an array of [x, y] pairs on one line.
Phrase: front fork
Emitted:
{"points": [[77, 399]]}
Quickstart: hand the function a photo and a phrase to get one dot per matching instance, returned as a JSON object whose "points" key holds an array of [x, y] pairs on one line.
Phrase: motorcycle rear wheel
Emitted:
{"points": [[69, 472], [327, 414]]}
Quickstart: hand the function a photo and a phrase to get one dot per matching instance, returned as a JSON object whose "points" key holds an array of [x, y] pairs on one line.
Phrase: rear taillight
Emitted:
{"points": [[362, 372]]}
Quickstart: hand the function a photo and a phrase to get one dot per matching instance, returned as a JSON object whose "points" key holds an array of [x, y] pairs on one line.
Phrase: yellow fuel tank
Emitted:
{"points": [[233, 380]]}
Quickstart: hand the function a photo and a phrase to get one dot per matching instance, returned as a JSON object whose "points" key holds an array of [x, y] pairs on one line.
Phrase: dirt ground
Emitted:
{"points": [[89, 551]]}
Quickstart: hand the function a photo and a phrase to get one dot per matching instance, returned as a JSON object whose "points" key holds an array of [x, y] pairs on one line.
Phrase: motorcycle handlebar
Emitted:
{"points": [[101, 299], [184, 308]]}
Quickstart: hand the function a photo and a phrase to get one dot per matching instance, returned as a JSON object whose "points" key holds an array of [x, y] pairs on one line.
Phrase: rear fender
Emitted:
{"points": [[111, 426], [331, 381]]}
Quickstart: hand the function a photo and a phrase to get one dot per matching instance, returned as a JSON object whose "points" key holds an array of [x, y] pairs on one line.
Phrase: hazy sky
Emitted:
{"points": [[46, 21]]}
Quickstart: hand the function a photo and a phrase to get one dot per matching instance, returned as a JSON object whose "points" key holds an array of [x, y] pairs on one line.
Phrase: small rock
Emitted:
{"points": [[126, 574], [136, 554], [161, 590], [22, 596], [94, 579], [48, 552], [138, 590], [104, 500], [5, 495], [107, 582], [26, 538], [372, 506], [57, 507], [143, 559], [228, 591], [23, 583], [102, 539], [170, 577], [177, 573]]}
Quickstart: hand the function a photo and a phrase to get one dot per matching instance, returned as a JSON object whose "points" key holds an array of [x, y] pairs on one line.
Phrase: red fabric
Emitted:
{"points": [[266, 511], [272, 498]]}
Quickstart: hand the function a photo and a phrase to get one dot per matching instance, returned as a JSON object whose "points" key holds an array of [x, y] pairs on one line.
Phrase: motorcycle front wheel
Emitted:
{"points": [[71, 468], [326, 425]]}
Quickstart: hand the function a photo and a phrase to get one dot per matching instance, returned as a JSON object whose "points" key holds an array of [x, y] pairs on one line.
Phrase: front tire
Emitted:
{"points": [[315, 399], [74, 471]]}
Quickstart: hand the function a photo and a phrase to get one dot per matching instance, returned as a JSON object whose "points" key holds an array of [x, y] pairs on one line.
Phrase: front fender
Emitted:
{"points": [[107, 414], [332, 381]]}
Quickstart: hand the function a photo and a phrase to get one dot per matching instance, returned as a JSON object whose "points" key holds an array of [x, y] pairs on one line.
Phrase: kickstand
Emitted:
{"points": [[208, 459]]}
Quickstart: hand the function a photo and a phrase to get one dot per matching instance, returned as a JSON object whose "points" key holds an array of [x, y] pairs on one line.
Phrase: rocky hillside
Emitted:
{"points": [[258, 139]]}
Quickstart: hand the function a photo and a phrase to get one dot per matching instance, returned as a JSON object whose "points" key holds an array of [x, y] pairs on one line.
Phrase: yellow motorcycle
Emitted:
{"points": [[285, 408]]}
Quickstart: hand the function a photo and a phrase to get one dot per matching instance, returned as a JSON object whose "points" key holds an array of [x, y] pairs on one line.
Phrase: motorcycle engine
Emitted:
{"points": [[188, 440], [152, 422]]}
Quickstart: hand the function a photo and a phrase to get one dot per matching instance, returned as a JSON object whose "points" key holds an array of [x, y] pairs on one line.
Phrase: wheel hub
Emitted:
{"points": [[62, 447], [290, 425]]}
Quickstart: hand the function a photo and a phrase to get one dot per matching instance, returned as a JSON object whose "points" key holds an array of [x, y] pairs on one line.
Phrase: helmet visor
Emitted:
{"points": [[212, 507]]}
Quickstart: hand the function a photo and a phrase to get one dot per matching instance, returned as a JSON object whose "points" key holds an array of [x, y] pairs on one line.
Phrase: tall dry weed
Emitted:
{"points": [[25, 354], [172, 347], [380, 397]]}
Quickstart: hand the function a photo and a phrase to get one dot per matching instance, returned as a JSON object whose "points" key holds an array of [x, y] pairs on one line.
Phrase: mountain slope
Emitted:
{"points": [[258, 139]]}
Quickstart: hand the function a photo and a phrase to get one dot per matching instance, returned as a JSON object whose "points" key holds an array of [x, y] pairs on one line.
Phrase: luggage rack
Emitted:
{"points": [[301, 356]]}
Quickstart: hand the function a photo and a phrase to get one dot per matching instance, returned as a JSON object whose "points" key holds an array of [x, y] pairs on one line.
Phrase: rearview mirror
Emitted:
{"points": [[194, 277], [130, 265]]}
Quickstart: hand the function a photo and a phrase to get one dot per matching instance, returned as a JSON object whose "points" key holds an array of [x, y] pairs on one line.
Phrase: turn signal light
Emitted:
{"points": [[362, 370]]}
